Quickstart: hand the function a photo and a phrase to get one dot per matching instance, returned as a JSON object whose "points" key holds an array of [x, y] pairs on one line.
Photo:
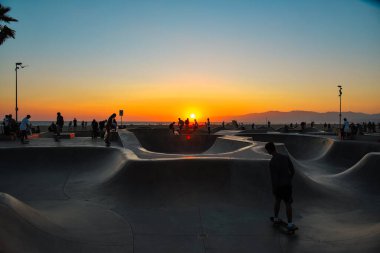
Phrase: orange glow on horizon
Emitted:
{"points": [[167, 110], [165, 103]]}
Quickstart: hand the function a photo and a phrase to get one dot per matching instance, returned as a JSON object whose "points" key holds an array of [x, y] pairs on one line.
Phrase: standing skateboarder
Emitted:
{"points": [[282, 172], [180, 124], [171, 127], [24, 128], [108, 129], [59, 123]]}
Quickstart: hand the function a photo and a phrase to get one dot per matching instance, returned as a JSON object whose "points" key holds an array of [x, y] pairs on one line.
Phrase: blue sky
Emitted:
{"points": [[304, 48]]}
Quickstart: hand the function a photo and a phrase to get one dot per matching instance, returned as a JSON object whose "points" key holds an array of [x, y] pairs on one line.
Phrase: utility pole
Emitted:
{"points": [[340, 106]]}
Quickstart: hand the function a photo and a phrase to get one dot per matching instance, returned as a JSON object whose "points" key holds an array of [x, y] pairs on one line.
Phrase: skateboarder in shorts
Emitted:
{"points": [[282, 172]]}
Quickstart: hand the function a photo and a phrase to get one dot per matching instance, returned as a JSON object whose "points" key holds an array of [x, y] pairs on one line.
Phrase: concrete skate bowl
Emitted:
{"points": [[302, 147], [341, 154], [99, 200], [162, 141], [204, 181]]}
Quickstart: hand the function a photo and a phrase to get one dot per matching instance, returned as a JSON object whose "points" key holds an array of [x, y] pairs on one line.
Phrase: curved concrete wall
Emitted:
{"points": [[162, 141], [300, 146]]}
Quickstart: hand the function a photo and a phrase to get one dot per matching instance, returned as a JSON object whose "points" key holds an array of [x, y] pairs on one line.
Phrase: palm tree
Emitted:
{"points": [[5, 31]]}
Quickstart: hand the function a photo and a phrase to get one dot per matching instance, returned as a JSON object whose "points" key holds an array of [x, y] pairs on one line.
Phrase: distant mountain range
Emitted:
{"points": [[276, 117]]}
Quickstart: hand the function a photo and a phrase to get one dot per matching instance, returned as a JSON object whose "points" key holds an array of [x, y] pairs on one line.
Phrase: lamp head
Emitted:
{"points": [[18, 63], [340, 86]]}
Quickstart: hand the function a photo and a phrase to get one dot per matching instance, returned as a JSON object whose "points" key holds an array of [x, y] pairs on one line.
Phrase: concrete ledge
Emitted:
{"points": [[66, 135], [34, 136]]}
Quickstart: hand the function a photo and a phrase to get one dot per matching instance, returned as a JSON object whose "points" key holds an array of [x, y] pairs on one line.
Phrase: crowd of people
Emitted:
{"points": [[100, 129], [10, 126], [103, 128], [14, 129], [185, 126], [350, 130], [24, 128]]}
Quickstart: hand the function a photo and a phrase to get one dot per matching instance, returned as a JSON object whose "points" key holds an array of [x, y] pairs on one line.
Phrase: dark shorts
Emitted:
{"points": [[284, 193]]}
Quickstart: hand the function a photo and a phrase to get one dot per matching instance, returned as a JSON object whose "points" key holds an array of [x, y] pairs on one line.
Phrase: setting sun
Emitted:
{"points": [[192, 116]]}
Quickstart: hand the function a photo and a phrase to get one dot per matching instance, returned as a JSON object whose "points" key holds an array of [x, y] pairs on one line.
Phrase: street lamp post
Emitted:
{"points": [[18, 65], [340, 106]]}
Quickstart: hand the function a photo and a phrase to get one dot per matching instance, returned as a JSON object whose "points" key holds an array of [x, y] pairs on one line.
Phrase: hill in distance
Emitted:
{"points": [[277, 117]]}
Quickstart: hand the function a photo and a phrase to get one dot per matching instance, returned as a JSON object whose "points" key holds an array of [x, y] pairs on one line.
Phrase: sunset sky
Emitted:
{"points": [[160, 60]]}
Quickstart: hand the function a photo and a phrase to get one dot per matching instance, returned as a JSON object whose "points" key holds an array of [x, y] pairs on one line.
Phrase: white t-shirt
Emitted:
{"points": [[24, 124], [346, 126]]}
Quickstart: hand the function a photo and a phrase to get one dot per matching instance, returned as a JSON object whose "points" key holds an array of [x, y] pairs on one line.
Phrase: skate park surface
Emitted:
{"points": [[155, 192]]}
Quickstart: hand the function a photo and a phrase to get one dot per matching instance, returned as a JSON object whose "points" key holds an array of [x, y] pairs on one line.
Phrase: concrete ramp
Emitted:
{"points": [[44, 172], [50, 213], [364, 175], [70, 228], [24, 229], [17, 217], [344, 154]]}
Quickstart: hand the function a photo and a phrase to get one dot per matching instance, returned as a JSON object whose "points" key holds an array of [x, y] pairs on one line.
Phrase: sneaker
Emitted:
{"points": [[276, 221], [291, 227]]}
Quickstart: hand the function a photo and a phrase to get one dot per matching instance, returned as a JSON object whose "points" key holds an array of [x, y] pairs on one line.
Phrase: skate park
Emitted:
{"points": [[155, 192], [141, 126]]}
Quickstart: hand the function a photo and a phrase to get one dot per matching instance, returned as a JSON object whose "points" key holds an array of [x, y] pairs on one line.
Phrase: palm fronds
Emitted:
{"points": [[5, 31], [3, 14]]}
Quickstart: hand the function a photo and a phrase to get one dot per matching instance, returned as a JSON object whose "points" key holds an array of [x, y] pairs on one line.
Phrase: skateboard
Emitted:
{"points": [[284, 225]]}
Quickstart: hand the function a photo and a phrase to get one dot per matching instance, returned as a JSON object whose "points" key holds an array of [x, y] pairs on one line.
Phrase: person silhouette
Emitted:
{"points": [[282, 172], [24, 128], [94, 126], [108, 129], [180, 124], [60, 122], [171, 127]]}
